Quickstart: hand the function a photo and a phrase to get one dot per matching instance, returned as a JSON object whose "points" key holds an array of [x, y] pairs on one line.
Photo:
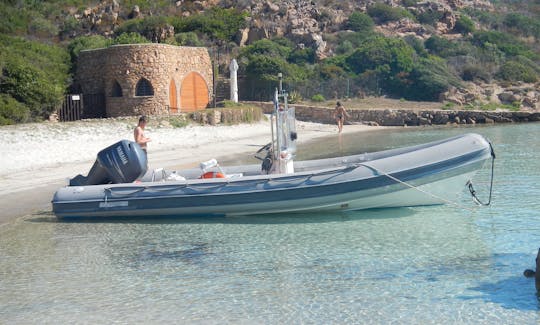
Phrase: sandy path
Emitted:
{"points": [[37, 159]]}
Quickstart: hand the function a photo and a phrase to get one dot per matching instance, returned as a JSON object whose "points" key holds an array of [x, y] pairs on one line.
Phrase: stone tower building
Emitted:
{"points": [[146, 79]]}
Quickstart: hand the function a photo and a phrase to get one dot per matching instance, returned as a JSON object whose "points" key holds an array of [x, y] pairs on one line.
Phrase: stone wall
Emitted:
{"points": [[98, 70], [388, 117]]}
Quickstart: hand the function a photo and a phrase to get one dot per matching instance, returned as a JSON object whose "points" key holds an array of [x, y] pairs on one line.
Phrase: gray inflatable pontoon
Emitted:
{"points": [[118, 185], [419, 175]]}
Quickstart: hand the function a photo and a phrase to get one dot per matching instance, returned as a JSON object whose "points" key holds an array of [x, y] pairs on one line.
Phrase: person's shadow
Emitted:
{"points": [[515, 292]]}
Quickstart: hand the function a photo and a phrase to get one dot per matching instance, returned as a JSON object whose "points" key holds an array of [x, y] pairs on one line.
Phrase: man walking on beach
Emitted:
{"points": [[138, 133], [339, 114]]}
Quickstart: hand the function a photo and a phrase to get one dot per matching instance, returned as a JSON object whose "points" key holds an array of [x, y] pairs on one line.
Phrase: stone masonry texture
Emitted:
{"points": [[98, 71]]}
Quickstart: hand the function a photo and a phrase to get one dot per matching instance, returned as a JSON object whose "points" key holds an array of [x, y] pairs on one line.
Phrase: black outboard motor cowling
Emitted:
{"points": [[123, 162]]}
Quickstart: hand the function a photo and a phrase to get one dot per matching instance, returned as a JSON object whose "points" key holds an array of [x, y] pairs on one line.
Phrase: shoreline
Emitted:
{"points": [[38, 159], [397, 116]]}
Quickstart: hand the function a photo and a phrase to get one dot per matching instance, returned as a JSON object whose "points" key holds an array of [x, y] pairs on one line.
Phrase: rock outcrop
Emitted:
{"points": [[521, 95]]}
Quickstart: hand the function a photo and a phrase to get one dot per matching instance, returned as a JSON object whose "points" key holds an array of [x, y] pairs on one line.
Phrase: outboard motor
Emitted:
{"points": [[123, 162]]}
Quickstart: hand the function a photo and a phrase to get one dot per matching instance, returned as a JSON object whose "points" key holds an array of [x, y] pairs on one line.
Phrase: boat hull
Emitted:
{"points": [[422, 175]]}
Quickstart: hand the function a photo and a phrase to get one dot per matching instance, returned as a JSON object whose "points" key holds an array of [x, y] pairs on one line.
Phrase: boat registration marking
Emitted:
{"points": [[113, 204]]}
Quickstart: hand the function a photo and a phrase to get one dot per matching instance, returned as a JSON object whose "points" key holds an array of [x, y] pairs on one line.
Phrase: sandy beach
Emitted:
{"points": [[39, 158]]}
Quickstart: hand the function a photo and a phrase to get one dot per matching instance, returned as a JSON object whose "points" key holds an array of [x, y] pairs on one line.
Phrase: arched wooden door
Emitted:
{"points": [[193, 93], [173, 102]]}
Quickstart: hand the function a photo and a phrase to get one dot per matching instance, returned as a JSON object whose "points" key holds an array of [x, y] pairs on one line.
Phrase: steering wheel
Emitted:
{"points": [[265, 147]]}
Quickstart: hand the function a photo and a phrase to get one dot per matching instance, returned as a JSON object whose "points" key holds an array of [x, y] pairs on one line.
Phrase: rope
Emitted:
{"points": [[417, 188], [470, 184]]}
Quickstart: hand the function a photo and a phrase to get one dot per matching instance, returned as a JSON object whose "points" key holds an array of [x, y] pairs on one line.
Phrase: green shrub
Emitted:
{"points": [[356, 38], [386, 55], [383, 13], [409, 3], [464, 25], [442, 47], [507, 43], [417, 44], [188, 39], [318, 98], [266, 47], [302, 56], [265, 68], [427, 80], [33, 74], [217, 23], [345, 47], [130, 38], [69, 25], [240, 114], [430, 17], [14, 19], [516, 71], [488, 19], [473, 72], [179, 121], [329, 71], [42, 27], [146, 27], [86, 43], [360, 22], [12, 111], [448, 106], [522, 24]]}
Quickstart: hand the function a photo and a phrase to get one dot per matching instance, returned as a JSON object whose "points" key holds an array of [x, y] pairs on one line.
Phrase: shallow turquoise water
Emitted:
{"points": [[412, 265]]}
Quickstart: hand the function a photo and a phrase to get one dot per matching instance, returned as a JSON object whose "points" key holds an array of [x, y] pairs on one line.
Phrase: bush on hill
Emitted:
{"points": [[428, 79], [522, 25], [360, 22], [218, 24], [34, 74], [383, 13], [505, 42], [12, 111], [464, 25], [514, 70]]}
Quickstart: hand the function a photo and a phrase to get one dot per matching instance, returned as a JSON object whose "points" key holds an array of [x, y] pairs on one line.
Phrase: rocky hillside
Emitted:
{"points": [[477, 54], [304, 22], [312, 24]]}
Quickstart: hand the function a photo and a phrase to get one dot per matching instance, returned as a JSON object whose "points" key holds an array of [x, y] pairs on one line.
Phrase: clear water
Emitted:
{"points": [[427, 265]]}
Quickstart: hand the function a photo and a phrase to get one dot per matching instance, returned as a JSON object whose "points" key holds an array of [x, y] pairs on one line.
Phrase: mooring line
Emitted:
{"points": [[416, 188]]}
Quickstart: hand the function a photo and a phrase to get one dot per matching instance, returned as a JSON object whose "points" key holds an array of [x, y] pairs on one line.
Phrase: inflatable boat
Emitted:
{"points": [[119, 185]]}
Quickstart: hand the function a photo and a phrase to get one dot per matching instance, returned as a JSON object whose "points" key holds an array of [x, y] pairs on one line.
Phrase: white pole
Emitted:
{"points": [[233, 67]]}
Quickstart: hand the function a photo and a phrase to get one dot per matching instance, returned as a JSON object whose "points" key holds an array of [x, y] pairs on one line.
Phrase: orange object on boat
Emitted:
{"points": [[212, 175]]}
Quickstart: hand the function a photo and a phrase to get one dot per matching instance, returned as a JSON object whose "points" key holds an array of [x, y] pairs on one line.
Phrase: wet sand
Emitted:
{"points": [[39, 158]]}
